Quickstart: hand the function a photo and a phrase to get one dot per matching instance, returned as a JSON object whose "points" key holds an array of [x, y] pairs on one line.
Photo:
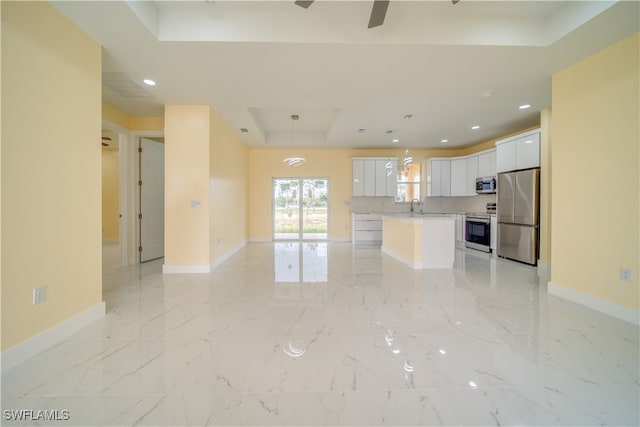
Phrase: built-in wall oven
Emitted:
{"points": [[478, 231]]}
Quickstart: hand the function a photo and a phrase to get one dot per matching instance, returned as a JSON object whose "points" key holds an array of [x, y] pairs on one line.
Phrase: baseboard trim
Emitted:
{"points": [[52, 336], [416, 265], [260, 239], [607, 307], [186, 269], [227, 255]]}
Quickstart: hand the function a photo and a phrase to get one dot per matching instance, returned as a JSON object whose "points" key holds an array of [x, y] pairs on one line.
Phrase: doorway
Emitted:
{"points": [[300, 208], [110, 200], [151, 198]]}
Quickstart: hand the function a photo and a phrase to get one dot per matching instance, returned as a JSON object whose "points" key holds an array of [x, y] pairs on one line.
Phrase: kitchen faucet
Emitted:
{"points": [[414, 200]]}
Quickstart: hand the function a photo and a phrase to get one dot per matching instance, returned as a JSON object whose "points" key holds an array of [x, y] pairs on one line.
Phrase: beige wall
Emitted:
{"points": [[110, 193], [51, 207], [207, 163], [596, 189], [187, 139], [229, 173]]}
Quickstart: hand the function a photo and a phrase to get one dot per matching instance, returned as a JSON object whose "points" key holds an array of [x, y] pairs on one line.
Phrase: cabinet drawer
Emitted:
{"points": [[369, 225], [368, 236], [367, 217]]}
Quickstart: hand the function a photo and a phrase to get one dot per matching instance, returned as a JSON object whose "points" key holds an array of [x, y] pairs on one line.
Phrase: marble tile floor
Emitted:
{"points": [[330, 334]]}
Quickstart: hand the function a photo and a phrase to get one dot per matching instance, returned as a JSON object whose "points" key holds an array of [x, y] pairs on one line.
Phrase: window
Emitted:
{"points": [[409, 183]]}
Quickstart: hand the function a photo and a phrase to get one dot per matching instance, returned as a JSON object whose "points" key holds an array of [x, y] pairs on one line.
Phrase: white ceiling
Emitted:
{"points": [[258, 62]]}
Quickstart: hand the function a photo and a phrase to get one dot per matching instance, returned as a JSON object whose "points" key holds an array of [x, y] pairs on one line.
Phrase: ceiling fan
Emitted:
{"points": [[378, 11]]}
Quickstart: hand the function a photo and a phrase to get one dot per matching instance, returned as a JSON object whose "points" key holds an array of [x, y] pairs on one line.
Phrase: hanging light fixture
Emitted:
{"points": [[407, 156], [294, 160], [389, 167]]}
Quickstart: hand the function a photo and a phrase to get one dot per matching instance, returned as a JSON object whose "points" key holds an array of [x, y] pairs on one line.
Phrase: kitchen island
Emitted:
{"points": [[420, 240]]}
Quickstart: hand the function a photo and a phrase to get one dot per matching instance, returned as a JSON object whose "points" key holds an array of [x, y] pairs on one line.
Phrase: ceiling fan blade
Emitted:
{"points": [[303, 3], [378, 12]]}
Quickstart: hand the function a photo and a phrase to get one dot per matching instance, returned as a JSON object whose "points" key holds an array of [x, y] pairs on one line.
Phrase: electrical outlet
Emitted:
{"points": [[625, 274], [38, 295]]}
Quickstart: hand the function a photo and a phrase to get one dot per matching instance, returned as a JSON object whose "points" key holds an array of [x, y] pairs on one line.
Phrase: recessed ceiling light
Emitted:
{"points": [[149, 82], [444, 141], [389, 131], [486, 93], [475, 127], [395, 140], [524, 107]]}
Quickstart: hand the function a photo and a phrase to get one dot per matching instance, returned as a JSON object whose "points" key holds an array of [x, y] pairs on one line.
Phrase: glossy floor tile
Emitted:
{"points": [[330, 334]]}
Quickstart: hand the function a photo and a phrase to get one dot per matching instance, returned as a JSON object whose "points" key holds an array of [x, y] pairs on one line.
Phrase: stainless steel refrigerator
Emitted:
{"points": [[518, 215]]}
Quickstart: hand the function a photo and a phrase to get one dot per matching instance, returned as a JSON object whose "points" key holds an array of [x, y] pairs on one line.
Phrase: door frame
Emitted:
{"points": [[139, 179], [300, 179], [129, 197]]}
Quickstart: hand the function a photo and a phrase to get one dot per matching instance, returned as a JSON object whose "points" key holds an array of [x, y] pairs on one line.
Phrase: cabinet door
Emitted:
{"points": [[506, 156], [528, 152], [357, 189], [392, 178], [472, 174], [445, 187], [381, 178], [493, 233], [487, 164], [436, 178], [369, 178], [459, 228], [458, 177]]}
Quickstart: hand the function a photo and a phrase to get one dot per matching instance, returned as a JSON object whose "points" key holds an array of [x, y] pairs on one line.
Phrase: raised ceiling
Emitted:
{"points": [[258, 62]]}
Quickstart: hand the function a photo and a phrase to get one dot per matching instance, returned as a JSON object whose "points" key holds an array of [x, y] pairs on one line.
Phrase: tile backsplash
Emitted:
{"points": [[429, 204], [458, 204]]}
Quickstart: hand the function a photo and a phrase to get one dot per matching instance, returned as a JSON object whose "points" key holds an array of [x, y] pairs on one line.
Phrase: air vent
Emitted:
{"points": [[125, 85]]}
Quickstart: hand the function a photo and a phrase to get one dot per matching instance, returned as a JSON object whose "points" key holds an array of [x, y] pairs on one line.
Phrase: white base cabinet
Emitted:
{"points": [[493, 232], [366, 228], [460, 218]]}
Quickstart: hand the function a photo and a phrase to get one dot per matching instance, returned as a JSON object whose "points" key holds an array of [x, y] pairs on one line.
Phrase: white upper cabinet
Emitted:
{"points": [[372, 177], [458, 177], [472, 174], [369, 178], [440, 177], [487, 164], [506, 156], [528, 152], [381, 178], [518, 152], [392, 177], [357, 189]]}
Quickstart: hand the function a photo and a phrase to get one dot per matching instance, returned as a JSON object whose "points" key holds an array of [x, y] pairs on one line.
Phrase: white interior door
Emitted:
{"points": [[151, 199]]}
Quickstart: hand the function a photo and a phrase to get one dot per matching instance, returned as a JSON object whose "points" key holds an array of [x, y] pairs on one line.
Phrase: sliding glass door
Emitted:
{"points": [[300, 208]]}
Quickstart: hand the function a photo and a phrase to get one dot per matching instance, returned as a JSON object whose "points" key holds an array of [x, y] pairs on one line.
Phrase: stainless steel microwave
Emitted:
{"points": [[486, 185]]}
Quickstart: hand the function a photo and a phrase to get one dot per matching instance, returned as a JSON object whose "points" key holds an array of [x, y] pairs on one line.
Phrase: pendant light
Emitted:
{"points": [[407, 156], [294, 160]]}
